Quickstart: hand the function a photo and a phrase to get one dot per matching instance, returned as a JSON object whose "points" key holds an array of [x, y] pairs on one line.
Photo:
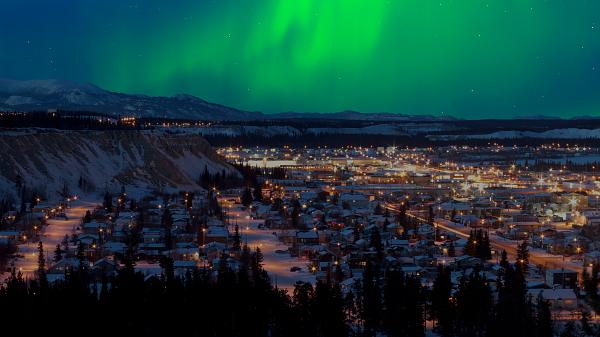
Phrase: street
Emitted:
{"points": [[52, 235], [277, 264], [538, 257]]}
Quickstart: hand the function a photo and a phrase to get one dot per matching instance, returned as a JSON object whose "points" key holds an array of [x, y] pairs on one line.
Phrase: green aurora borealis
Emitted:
{"points": [[465, 58]]}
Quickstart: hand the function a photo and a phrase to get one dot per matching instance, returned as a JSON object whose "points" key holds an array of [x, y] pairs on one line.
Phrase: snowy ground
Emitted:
{"points": [[52, 235], [277, 264]]}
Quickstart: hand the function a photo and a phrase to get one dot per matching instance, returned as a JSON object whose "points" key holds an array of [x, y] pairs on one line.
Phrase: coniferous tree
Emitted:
{"points": [[569, 330], [378, 209], [523, 256], [236, 245], [43, 279], [58, 253], [484, 248], [474, 305], [107, 203], [246, 197], [543, 319], [590, 285], [81, 255], [167, 224], [41, 258], [87, 218], [327, 310], [371, 300], [257, 193], [442, 305], [431, 216], [452, 249], [470, 248], [294, 216], [504, 260], [377, 245], [586, 328]]}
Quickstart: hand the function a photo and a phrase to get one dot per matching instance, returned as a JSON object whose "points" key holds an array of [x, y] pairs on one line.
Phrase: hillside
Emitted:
{"points": [[47, 159], [56, 94]]}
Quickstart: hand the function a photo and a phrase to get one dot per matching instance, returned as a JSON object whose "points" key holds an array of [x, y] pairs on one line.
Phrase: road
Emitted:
{"points": [[538, 257], [52, 235], [277, 264]]}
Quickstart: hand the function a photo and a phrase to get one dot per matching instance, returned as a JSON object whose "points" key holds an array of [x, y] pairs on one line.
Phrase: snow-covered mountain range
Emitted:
{"points": [[36, 95], [41, 95]]}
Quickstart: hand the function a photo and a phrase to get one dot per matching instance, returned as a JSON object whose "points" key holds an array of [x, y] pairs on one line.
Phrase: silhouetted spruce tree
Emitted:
{"points": [[442, 305], [569, 330], [81, 255], [431, 216], [543, 319], [483, 248], [87, 218], [236, 245], [167, 224], [43, 279], [303, 308], [378, 209], [474, 305], [504, 260], [371, 300], [523, 256], [328, 310], [590, 285], [470, 248], [58, 253], [294, 216], [246, 197], [452, 249], [377, 245], [402, 305], [107, 203], [513, 314], [257, 193]]}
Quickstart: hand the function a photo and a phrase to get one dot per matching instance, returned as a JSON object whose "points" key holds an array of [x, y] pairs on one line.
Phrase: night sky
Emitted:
{"points": [[465, 58]]}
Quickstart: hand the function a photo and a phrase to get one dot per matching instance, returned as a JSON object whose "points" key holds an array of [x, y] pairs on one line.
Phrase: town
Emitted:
{"points": [[476, 235]]}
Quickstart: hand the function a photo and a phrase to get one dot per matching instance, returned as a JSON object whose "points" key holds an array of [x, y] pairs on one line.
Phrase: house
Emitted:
{"points": [[354, 200], [564, 278], [558, 298], [94, 227], [104, 266], [217, 234]]}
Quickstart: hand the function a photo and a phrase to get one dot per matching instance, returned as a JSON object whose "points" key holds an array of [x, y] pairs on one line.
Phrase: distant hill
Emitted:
{"points": [[56, 94], [41, 95], [361, 116]]}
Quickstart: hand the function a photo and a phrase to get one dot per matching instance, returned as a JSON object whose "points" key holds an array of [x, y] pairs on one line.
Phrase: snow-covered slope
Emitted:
{"points": [[55, 94], [567, 133], [46, 159]]}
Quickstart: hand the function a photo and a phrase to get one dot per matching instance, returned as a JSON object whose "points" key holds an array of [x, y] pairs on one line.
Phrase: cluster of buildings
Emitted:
{"points": [[345, 195], [336, 209]]}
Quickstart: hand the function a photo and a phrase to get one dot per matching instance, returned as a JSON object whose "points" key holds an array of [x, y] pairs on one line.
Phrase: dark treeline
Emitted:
{"points": [[246, 176], [81, 120], [71, 120], [244, 302], [473, 311], [544, 165], [340, 140]]}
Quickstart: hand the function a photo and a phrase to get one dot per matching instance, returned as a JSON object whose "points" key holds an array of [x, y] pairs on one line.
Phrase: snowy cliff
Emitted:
{"points": [[47, 159]]}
